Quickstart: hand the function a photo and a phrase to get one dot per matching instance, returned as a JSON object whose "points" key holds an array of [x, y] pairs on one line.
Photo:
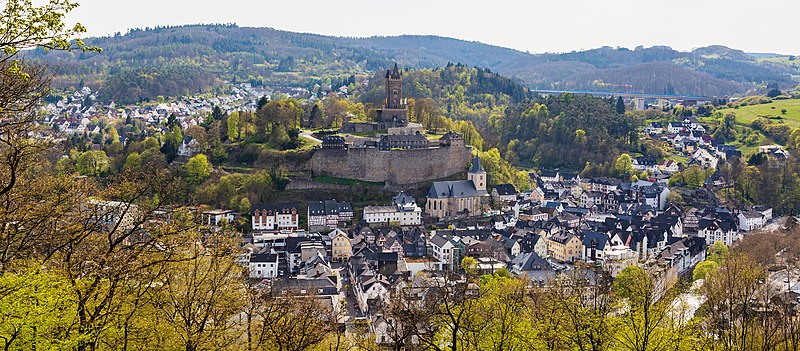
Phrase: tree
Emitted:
{"points": [[703, 269], [93, 163], [244, 205], [35, 311], [233, 127], [113, 135], [727, 128], [316, 117], [643, 322], [26, 26], [623, 165], [620, 105], [198, 169]]}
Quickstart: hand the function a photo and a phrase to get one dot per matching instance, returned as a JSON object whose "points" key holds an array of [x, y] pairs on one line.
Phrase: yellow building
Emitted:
{"points": [[340, 246], [564, 247]]}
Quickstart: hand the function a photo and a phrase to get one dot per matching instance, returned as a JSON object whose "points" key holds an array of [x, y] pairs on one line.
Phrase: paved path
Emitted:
{"points": [[307, 134]]}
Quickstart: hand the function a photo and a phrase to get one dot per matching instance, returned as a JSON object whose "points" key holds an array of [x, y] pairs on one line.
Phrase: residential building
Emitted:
{"points": [[340, 246], [279, 216], [504, 192], [751, 219], [564, 247], [216, 217], [328, 215], [263, 266], [713, 230], [403, 212]]}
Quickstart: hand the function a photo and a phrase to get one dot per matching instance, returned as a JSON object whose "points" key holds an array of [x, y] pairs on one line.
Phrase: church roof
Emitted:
{"points": [[457, 188], [476, 165]]}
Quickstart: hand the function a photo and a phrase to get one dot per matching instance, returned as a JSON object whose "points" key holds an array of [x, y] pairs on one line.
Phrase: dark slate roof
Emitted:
{"points": [[646, 160], [450, 135], [457, 188], [273, 258], [403, 198], [529, 261], [725, 225], [284, 207], [505, 189], [476, 165], [598, 240], [606, 181], [328, 207]]}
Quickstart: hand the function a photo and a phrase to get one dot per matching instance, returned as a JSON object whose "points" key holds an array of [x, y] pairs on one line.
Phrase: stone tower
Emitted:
{"points": [[394, 111], [394, 89], [477, 175]]}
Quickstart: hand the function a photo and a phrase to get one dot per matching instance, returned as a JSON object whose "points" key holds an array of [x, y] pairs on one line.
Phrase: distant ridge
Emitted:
{"points": [[205, 53]]}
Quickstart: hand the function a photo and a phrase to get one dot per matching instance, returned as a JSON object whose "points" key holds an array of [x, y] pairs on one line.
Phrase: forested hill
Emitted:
{"points": [[179, 60]]}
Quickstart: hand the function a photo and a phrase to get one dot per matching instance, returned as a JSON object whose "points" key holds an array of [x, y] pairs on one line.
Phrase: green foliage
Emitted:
{"points": [[500, 171], [93, 163], [469, 265], [198, 169], [547, 132], [35, 311], [623, 165], [703, 269], [233, 126], [632, 283], [726, 130], [692, 177]]}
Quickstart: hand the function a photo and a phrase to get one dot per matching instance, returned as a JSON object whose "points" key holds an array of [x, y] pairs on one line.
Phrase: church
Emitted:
{"points": [[459, 198]]}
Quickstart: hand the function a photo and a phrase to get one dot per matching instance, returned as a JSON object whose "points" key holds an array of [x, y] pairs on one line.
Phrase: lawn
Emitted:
{"points": [[745, 115], [344, 181]]}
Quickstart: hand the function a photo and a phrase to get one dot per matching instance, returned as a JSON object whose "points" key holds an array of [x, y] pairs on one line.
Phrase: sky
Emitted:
{"points": [[535, 26]]}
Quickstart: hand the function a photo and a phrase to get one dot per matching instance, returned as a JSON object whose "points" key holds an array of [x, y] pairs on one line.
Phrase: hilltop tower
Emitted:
{"points": [[395, 107], [394, 89], [477, 175]]}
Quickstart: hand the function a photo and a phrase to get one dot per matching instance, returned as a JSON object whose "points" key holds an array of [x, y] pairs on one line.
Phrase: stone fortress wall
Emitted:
{"points": [[395, 167]]}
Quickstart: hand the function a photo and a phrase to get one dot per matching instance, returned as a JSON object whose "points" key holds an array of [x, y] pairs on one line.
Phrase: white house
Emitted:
{"points": [[751, 219], [263, 266], [645, 163], [713, 230], [403, 212], [189, 147], [215, 217]]}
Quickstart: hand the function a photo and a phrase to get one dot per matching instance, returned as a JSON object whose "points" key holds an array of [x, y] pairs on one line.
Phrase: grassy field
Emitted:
{"points": [[745, 115], [344, 181]]}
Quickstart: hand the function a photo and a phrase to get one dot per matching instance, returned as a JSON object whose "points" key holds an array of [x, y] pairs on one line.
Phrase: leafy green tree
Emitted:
{"points": [[623, 165], [93, 163], [315, 117], [726, 130], [133, 161], [244, 205], [198, 169], [35, 311], [113, 135], [233, 126], [703, 269]]}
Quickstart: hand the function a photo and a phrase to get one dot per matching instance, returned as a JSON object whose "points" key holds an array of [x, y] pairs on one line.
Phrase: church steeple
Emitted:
{"points": [[477, 175]]}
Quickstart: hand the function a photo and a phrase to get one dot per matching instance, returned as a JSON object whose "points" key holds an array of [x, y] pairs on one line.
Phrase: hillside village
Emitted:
{"points": [[356, 258]]}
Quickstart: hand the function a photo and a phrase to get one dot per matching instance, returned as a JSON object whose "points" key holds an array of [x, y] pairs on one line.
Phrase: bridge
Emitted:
{"points": [[629, 94]]}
